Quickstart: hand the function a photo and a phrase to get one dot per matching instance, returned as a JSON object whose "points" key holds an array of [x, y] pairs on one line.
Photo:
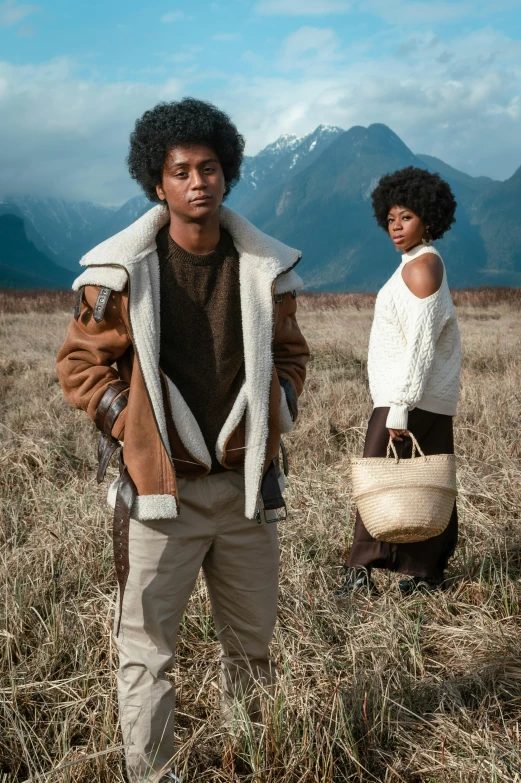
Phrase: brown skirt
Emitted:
{"points": [[423, 558]]}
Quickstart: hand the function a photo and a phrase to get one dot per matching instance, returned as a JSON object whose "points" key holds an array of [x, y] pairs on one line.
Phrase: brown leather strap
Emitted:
{"points": [[113, 391], [101, 304], [110, 406], [107, 446], [125, 497], [119, 404], [79, 300]]}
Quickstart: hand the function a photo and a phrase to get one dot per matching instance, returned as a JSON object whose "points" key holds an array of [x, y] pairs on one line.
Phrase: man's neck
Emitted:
{"points": [[196, 238]]}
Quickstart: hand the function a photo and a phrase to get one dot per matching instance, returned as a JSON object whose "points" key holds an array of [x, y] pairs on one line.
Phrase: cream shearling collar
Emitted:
{"points": [[139, 239]]}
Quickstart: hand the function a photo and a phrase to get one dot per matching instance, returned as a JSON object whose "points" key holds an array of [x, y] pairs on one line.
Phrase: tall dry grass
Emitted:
{"points": [[425, 689], [34, 301]]}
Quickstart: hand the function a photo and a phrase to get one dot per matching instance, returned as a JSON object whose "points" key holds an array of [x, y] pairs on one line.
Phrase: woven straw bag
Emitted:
{"points": [[405, 500]]}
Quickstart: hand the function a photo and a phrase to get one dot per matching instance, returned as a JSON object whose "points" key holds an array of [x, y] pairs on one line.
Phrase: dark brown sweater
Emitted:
{"points": [[201, 348]]}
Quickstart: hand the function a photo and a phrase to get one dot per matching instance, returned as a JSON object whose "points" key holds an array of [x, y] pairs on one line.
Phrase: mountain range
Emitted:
{"points": [[22, 264], [313, 193], [277, 163]]}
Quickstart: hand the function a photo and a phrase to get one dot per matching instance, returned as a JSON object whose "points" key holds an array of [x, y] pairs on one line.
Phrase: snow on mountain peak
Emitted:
{"points": [[328, 129], [285, 142], [295, 159], [284, 157]]}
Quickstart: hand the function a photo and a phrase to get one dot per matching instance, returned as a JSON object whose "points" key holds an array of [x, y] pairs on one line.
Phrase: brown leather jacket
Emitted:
{"points": [[108, 365]]}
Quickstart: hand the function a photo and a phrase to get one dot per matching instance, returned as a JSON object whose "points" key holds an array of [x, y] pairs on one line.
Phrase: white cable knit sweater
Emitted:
{"points": [[414, 349]]}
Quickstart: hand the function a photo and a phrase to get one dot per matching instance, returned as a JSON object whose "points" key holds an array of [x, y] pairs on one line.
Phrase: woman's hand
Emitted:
{"points": [[395, 434]]}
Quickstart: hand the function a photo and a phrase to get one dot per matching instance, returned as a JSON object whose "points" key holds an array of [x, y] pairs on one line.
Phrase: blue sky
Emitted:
{"points": [[445, 76]]}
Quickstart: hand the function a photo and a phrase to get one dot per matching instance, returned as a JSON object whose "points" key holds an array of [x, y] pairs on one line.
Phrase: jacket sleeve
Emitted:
{"points": [[426, 321], [85, 361], [290, 352]]}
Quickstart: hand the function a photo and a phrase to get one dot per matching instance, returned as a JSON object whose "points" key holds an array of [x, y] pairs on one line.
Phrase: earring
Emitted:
{"points": [[427, 239]]}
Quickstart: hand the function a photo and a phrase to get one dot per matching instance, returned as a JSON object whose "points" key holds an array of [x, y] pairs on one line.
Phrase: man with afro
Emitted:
{"points": [[184, 345]]}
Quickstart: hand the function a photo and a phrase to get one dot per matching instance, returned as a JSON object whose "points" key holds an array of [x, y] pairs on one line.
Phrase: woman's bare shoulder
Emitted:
{"points": [[424, 275]]}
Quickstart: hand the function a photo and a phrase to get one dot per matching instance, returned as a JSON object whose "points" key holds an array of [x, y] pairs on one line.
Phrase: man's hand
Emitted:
{"points": [[395, 434]]}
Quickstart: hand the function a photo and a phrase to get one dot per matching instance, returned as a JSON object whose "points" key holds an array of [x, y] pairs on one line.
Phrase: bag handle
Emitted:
{"points": [[416, 449], [390, 446]]}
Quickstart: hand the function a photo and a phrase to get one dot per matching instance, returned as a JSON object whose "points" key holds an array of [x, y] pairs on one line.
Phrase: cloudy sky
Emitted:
{"points": [[445, 76]]}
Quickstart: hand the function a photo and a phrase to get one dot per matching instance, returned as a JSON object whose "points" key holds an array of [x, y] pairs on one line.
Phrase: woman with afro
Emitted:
{"points": [[414, 366]]}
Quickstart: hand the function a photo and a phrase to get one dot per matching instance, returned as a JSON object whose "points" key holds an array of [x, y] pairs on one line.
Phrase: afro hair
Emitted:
{"points": [[184, 122], [424, 193]]}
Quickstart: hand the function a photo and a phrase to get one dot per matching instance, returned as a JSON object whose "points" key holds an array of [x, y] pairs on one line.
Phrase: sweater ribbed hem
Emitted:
{"points": [[398, 417]]}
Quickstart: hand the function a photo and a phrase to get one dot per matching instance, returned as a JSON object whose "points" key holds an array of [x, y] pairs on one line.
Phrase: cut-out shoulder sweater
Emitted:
{"points": [[414, 349]]}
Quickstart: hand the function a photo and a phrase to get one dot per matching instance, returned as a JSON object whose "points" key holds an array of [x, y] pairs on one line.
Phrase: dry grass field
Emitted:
{"points": [[424, 689]]}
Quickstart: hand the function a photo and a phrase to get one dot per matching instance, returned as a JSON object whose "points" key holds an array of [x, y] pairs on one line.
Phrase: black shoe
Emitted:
{"points": [[357, 580], [421, 584]]}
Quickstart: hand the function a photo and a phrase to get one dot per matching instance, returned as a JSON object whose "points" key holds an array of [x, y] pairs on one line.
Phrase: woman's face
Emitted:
{"points": [[405, 228]]}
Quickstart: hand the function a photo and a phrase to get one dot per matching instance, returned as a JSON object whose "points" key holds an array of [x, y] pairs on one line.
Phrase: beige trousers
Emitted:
{"points": [[240, 561]]}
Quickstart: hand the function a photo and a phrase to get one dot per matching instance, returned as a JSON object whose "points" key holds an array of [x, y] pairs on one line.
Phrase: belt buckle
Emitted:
{"points": [[281, 516]]}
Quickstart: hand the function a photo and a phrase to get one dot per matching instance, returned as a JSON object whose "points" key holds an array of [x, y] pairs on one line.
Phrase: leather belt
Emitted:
{"points": [[119, 404], [107, 447], [113, 392], [125, 497], [111, 404]]}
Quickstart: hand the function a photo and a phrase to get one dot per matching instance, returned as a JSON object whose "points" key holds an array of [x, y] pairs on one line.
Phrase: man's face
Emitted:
{"points": [[193, 182]]}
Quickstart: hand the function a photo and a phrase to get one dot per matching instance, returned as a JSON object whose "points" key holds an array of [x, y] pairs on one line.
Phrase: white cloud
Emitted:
{"points": [[62, 135], [176, 16], [404, 12], [310, 47], [413, 13], [188, 54], [11, 13], [463, 107], [301, 7], [459, 100]]}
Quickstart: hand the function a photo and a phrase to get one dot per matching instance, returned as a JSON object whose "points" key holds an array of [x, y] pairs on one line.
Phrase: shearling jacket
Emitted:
{"points": [[120, 353]]}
